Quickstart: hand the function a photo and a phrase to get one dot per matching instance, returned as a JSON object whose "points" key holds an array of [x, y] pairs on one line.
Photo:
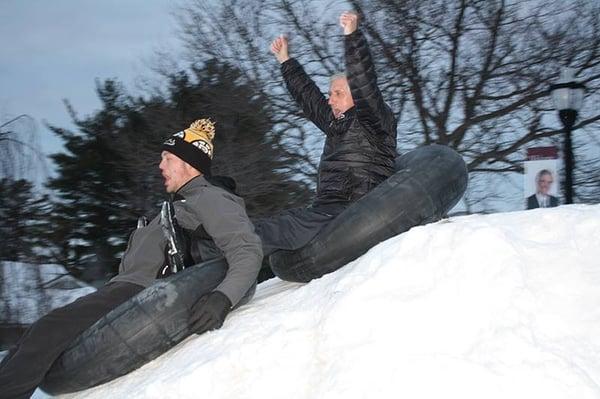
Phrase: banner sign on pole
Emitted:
{"points": [[541, 188]]}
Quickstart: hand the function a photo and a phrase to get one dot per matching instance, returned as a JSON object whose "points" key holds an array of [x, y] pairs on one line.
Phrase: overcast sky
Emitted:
{"points": [[54, 50]]}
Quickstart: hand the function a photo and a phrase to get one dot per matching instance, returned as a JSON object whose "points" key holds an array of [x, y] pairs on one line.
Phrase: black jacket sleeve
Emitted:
{"points": [[306, 93], [371, 110]]}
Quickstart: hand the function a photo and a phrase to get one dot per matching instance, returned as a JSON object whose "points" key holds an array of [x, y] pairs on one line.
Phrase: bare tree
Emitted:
{"points": [[239, 32], [470, 74], [477, 72], [19, 150]]}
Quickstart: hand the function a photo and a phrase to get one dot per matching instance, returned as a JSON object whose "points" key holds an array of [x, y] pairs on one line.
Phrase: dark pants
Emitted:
{"points": [[294, 228], [22, 370]]}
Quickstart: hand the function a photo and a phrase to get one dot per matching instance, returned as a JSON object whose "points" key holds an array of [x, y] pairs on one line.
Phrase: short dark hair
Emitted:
{"points": [[542, 173]]}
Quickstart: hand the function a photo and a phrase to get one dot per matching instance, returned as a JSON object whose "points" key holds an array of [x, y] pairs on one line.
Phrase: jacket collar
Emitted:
{"points": [[341, 124], [350, 112], [191, 184]]}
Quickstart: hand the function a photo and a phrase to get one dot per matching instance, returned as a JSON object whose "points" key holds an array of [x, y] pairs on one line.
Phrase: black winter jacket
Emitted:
{"points": [[360, 147]]}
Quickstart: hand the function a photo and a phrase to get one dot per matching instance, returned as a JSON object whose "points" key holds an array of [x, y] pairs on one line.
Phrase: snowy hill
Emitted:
{"points": [[497, 306]]}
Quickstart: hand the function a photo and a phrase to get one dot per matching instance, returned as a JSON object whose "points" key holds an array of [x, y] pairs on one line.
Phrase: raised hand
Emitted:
{"points": [[279, 47], [349, 21]]}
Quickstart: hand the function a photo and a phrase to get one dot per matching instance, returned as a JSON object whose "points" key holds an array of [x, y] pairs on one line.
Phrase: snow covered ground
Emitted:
{"points": [[497, 306]]}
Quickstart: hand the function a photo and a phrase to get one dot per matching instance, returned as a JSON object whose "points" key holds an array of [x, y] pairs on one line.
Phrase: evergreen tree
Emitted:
{"points": [[110, 175], [90, 211], [246, 147], [23, 222]]}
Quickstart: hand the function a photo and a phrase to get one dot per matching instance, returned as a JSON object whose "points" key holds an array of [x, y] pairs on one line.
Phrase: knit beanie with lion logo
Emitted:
{"points": [[194, 145]]}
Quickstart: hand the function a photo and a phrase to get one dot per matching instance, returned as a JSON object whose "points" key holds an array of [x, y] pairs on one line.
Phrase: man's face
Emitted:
{"points": [[174, 170], [544, 183], [340, 98]]}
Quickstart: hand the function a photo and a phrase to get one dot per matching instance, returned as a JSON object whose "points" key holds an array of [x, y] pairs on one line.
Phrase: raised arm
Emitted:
{"points": [[302, 88], [371, 109]]}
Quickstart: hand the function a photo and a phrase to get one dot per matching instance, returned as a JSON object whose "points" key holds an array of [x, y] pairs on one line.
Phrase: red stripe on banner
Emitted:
{"points": [[535, 153]]}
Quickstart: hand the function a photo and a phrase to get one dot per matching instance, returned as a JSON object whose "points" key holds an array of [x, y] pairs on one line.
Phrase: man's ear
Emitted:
{"points": [[191, 171]]}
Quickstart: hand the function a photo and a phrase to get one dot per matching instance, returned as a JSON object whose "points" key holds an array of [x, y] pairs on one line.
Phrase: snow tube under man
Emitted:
{"points": [[137, 331], [429, 181]]}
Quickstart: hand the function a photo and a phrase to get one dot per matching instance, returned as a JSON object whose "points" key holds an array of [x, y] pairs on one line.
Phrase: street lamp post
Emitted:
{"points": [[567, 95]]}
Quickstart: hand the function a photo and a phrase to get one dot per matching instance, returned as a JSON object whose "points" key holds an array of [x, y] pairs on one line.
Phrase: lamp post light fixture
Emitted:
{"points": [[567, 95]]}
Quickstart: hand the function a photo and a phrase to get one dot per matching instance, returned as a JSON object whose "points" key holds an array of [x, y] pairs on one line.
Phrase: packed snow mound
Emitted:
{"points": [[497, 306]]}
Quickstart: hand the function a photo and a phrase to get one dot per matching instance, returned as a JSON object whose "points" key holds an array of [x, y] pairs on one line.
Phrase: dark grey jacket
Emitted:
{"points": [[223, 217], [533, 203], [360, 148]]}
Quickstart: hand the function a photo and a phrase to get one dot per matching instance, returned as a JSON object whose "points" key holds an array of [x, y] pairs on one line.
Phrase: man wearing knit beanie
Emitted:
{"points": [[194, 145], [199, 207], [187, 154]]}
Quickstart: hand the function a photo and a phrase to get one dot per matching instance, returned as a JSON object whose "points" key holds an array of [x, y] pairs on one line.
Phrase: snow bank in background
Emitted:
{"points": [[30, 291], [497, 306]]}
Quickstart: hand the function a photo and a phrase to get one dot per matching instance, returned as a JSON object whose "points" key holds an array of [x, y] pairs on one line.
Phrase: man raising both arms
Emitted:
{"points": [[360, 144]]}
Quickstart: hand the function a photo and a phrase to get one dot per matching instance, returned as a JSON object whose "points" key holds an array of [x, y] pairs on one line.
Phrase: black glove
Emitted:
{"points": [[209, 312]]}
